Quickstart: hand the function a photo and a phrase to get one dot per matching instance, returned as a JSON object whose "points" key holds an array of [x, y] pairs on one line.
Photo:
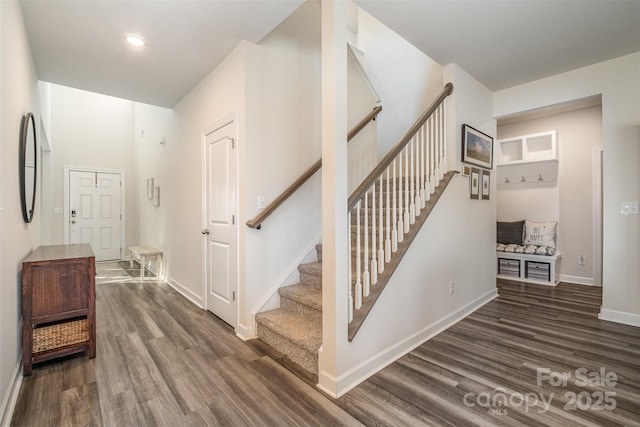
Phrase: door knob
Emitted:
{"points": [[205, 231], [73, 221]]}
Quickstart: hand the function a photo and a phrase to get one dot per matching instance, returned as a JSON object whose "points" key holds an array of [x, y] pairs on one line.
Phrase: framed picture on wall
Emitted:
{"points": [[156, 196], [486, 184], [150, 188], [477, 147], [474, 181]]}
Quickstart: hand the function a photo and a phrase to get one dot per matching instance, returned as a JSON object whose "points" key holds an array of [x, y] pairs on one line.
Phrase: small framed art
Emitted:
{"points": [[486, 184], [474, 182], [156, 196], [477, 147], [150, 188]]}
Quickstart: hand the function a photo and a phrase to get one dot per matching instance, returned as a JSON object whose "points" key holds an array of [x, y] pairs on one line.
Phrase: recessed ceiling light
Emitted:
{"points": [[135, 41]]}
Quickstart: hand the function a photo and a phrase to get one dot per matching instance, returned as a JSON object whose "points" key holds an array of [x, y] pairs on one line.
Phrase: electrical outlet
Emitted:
{"points": [[451, 288], [582, 260]]}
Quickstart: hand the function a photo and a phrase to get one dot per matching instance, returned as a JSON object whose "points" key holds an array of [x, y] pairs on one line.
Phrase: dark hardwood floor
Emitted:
{"points": [[520, 347], [162, 361]]}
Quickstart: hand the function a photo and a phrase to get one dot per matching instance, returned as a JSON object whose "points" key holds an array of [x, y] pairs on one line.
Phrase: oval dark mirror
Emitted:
{"points": [[28, 166]]}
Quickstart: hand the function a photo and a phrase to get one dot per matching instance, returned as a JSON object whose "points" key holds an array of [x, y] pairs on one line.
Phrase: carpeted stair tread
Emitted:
{"points": [[303, 331], [309, 296], [313, 268]]}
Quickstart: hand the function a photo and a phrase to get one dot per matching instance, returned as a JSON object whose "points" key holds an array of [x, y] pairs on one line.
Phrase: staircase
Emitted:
{"points": [[295, 329], [386, 212]]}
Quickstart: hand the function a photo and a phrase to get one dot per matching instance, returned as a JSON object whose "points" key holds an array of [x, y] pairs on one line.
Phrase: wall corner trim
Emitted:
{"points": [[631, 319], [185, 292], [11, 396]]}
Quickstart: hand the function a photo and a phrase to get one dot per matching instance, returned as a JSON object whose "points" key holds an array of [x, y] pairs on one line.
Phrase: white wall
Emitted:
{"points": [[152, 125], [406, 79], [457, 243], [362, 149], [274, 89], [177, 166], [19, 95], [578, 132], [93, 131], [282, 142], [617, 81]]}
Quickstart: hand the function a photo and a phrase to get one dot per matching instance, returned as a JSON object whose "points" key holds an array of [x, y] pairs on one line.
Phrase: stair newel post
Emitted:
{"points": [[366, 278], [381, 229], [387, 224], [394, 207], [400, 213], [358, 286], [374, 247], [407, 194]]}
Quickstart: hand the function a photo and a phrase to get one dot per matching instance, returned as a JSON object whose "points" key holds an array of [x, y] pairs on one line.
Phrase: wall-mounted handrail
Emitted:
{"points": [[359, 192], [257, 221]]}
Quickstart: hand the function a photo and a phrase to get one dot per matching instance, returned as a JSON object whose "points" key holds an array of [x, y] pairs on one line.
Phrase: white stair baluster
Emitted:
{"points": [[350, 292], [422, 172], [381, 230], [416, 176], [366, 278], [432, 147], [412, 195], [387, 223], [407, 193], [394, 231], [358, 286], [400, 212], [374, 261]]}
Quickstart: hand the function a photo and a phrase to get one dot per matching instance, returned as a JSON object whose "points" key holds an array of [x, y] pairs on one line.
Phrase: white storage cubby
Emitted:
{"points": [[528, 159]]}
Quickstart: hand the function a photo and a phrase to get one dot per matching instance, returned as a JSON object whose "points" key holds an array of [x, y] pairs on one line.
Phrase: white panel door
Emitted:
{"points": [[220, 224], [94, 212]]}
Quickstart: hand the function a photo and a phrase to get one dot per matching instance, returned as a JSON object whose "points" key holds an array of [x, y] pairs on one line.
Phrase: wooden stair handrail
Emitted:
{"points": [[358, 193], [257, 221]]}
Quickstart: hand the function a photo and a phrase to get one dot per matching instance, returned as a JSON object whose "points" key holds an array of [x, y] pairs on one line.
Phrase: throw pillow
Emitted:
{"points": [[540, 233], [510, 233]]}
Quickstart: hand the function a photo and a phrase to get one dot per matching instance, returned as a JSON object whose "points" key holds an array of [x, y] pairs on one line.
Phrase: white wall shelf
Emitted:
{"points": [[528, 159]]}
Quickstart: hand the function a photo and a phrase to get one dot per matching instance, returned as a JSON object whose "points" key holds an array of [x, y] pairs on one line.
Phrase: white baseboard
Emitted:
{"points": [[631, 319], [578, 280], [11, 396], [358, 374], [244, 332], [185, 292]]}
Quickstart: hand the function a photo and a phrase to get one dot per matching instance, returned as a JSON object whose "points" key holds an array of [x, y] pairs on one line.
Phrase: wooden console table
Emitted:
{"points": [[58, 303]]}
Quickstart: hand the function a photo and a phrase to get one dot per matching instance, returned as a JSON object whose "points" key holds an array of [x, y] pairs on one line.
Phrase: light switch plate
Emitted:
{"points": [[261, 202], [629, 208]]}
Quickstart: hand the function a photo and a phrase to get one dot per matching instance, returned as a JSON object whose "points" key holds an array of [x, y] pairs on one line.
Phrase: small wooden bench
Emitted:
{"points": [[144, 254]]}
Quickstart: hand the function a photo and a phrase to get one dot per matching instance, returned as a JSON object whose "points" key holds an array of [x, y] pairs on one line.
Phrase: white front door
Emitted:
{"points": [[95, 212], [220, 229]]}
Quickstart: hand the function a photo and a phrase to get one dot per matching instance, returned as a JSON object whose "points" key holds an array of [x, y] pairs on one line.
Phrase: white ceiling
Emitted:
{"points": [[81, 43], [501, 43], [506, 43]]}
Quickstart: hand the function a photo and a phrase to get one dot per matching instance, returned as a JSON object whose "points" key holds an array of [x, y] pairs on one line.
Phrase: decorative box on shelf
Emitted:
{"points": [[528, 159], [58, 303]]}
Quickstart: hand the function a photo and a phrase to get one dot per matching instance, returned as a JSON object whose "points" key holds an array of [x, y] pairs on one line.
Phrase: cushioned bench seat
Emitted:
{"points": [[526, 251]]}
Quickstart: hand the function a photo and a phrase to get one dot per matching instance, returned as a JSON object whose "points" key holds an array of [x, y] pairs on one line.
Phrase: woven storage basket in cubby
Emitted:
{"points": [[60, 334]]}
